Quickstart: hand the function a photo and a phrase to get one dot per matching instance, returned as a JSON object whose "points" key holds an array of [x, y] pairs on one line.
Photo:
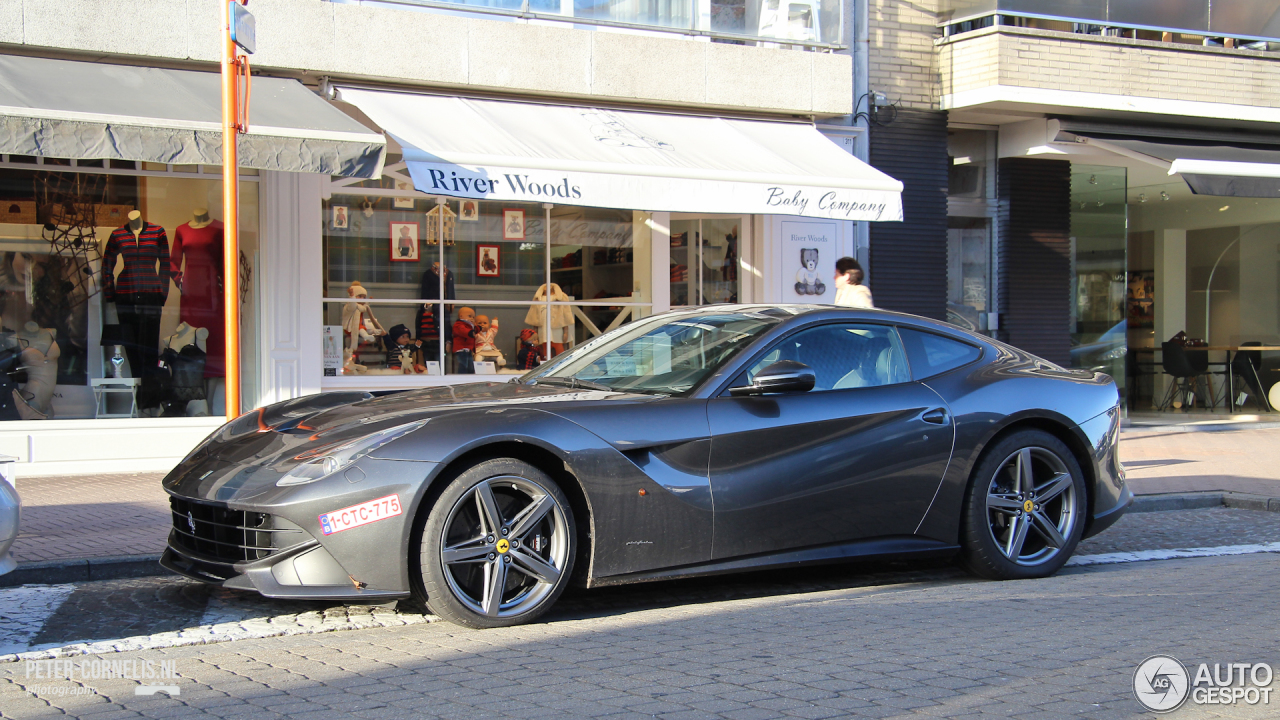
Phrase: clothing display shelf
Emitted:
{"points": [[104, 388]]}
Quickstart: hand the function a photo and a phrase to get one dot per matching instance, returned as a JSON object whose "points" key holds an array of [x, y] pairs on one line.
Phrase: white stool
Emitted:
{"points": [[103, 388]]}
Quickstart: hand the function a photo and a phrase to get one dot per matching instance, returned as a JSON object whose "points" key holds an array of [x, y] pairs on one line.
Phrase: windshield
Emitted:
{"points": [[668, 354]]}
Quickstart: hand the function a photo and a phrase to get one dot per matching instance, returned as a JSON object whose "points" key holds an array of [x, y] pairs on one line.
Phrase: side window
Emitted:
{"points": [[843, 356], [934, 354]]}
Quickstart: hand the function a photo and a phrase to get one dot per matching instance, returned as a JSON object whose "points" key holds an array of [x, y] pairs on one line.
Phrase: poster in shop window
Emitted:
{"points": [[809, 257]]}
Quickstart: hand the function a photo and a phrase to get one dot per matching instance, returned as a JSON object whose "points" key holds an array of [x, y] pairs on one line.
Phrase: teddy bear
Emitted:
{"points": [[807, 280]]}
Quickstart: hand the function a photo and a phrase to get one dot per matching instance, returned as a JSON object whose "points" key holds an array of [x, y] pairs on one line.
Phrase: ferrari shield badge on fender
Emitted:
{"points": [[362, 514]]}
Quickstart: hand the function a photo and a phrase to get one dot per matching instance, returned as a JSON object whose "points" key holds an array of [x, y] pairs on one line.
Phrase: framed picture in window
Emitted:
{"points": [[470, 211], [488, 260], [512, 224], [403, 203], [404, 242], [340, 217]]}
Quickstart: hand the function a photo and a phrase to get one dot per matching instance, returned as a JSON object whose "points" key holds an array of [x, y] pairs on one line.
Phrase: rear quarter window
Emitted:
{"points": [[932, 354]]}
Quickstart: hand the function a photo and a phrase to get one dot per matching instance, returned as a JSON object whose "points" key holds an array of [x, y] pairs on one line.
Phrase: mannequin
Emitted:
{"points": [[431, 317], [39, 358], [197, 267], [561, 325], [142, 287], [185, 355], [185, 335], [358, 324], [486, 349]]}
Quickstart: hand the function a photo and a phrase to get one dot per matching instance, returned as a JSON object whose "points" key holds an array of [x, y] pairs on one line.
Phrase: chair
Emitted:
{"points": [[1246, 364], [1184, 367]]}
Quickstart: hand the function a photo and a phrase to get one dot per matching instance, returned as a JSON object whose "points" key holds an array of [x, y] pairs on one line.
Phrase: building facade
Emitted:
{"points": [[341, 251], [1090, 180]]}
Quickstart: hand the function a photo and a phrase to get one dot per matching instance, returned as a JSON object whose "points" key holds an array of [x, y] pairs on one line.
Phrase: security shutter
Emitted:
{"points": [[909, 258], [1035, 256]]}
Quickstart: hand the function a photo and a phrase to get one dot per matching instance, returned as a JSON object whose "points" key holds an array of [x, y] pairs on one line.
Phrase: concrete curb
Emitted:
{"points": [[55, 572], [1196, 500], [1208, 426]]}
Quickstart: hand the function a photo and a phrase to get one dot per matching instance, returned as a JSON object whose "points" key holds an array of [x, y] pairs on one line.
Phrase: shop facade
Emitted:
{"points": [[1091, 183], [338, 254], [575, 221], [112, 268]]}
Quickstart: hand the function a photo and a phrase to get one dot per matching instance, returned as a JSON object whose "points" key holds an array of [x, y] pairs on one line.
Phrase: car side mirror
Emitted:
{"points": [[783, 376]]}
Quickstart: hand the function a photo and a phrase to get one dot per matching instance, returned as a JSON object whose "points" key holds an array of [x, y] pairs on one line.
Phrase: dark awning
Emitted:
{"points": [[1239, 169], [84, 110]]}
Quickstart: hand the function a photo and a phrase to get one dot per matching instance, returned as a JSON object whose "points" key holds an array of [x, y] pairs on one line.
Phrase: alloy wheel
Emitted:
{"points": [[1032, 505], [504, 546]]}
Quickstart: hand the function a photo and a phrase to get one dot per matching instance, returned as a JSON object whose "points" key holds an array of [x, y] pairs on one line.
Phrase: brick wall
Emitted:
{"points": [[1114, 66], [903, 57]]}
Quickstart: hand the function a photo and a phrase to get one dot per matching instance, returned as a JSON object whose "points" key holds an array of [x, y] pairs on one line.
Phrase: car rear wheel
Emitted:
{"points": [[498, 546], [1024, 512]]}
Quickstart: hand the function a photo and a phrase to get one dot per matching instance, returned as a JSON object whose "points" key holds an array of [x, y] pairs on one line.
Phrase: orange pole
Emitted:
{"points": [[230, 215]]}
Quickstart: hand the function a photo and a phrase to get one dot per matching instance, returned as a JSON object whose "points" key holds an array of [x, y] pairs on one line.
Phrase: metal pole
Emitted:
{"points": [[230, 216], [546, 238], [439, 310], [1208, 288]]}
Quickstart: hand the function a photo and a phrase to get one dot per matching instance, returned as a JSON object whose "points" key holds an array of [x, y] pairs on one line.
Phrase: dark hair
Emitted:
{"points": [[856, 277], [845, 264]]}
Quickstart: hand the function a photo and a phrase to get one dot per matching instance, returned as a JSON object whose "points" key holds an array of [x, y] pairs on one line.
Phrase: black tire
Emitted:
{"points": [[998, 506], [532, 558]]}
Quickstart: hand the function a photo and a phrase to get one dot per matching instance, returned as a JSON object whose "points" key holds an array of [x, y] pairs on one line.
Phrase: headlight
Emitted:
{"points": [[340, 457], [1115, 353]]}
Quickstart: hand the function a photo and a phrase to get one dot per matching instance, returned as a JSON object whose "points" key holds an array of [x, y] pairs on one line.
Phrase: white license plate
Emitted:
{"points": [[362, 514]]}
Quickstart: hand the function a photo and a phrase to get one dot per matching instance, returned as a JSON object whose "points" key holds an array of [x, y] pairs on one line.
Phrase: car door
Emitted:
{"points": [[858, 456]]}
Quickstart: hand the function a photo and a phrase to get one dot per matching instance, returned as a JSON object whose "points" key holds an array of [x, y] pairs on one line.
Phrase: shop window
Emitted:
{"points": [[969, 272], [112, 289], [705, 260], [416, 286], [1099, 284]]}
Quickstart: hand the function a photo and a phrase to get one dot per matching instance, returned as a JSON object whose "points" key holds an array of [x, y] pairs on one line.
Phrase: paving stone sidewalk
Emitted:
{"points": [[94, 516]]}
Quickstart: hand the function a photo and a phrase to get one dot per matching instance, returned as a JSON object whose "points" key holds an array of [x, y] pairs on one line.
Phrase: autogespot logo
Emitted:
{"points": [[1161, 683]]}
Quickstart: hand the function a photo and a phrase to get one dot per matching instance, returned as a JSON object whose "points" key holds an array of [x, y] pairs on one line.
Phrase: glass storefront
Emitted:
{"points": [[1098, 281], [1207, 267], [112, 283], [419, 286]]}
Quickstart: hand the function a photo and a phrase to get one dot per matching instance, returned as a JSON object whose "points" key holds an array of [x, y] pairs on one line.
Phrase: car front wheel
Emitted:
{"points": [[1024, 512], [498, 546]]}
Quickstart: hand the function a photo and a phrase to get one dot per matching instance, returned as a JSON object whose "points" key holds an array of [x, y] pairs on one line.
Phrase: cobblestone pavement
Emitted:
{"points": [[1062, 647], [703, 645], [89, 516]]}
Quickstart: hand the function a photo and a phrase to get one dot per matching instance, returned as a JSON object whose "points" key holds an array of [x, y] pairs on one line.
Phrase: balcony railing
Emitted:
{"points": [[810, 24], [1248, 20]]}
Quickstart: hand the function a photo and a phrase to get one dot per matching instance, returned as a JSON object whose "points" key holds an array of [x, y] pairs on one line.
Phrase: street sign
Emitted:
{"points": [[244, 29]]}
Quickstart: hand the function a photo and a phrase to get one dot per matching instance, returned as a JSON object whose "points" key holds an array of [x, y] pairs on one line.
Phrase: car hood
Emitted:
{"points": [[260, 447]]}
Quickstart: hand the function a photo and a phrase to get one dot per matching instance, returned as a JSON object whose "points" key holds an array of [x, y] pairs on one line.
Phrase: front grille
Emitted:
{"points": [[221, 534]]}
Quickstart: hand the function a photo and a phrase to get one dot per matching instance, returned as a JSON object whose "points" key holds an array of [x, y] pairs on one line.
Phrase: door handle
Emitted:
{"points": [[937, 416]]}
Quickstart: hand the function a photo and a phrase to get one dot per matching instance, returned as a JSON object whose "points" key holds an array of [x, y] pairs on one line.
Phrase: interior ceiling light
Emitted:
{"points": [[1142, 197], [1224, 208], [1093, 179], [1164, 196]]}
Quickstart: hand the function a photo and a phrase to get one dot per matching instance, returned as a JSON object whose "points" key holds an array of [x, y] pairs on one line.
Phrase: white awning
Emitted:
{"points": [[91, 111], [500, 150]]}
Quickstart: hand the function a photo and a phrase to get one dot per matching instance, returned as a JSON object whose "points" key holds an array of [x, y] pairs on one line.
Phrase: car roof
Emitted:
{"points": [[809, 312]]}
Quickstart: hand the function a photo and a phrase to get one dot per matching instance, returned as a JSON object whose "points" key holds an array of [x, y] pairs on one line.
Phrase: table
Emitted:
{"points": [[105, 387]]}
